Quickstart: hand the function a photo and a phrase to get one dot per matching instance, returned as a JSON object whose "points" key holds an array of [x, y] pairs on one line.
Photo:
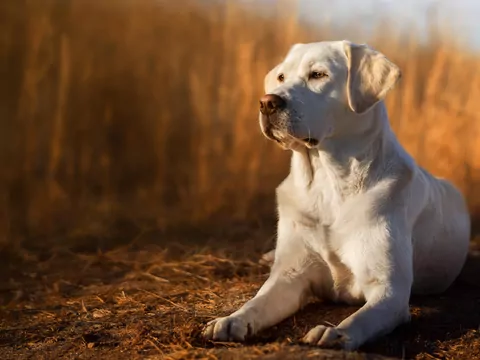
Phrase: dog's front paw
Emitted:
{"points": [[230, 328], [329, 337]]}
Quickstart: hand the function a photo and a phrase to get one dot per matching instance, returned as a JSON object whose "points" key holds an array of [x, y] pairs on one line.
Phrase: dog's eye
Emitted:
{"points": [[318, 75], [281, 78]]}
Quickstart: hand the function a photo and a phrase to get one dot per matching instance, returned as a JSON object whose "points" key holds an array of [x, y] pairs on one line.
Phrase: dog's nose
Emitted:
{"points": [[270, 103]]}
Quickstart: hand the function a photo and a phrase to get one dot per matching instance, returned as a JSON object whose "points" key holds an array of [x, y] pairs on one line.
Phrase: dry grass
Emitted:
{"points": [[145, 301], [147, 110], [122, 120]]}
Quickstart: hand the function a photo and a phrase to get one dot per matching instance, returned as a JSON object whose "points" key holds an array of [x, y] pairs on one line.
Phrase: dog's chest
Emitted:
{"points": [[315, 205], [313, 212]]}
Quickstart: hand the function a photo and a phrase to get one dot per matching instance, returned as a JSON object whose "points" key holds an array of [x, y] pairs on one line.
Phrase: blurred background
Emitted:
{"points": [[143, 113]]}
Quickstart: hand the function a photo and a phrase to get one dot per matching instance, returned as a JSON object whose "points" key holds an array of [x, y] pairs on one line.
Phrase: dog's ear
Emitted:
{"points": [[370, 76]]}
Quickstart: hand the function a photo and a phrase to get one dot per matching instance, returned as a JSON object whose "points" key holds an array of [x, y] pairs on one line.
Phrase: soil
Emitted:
{"points": [[148, 298]]}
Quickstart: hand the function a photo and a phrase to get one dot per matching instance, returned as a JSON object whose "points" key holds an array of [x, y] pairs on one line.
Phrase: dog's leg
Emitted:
{"points": [[284, 293], [381, 262]]}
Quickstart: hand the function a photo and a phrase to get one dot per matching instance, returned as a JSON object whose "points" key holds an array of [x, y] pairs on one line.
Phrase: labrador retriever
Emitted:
{"points": [[359, 221]]}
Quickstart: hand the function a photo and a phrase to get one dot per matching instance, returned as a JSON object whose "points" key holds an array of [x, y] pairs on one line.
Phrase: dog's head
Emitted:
{"points": [[320, 89]]}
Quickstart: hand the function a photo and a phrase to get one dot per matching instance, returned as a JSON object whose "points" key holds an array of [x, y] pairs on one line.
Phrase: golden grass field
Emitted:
{"points": [[151, 110], [125, 122]]}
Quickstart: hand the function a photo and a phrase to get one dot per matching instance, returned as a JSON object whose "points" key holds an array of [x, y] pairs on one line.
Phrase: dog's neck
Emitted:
{"points": [[347, 157]]}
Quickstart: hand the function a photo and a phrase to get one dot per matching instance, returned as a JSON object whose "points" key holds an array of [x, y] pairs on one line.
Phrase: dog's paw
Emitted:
{"points": [[329, 337], [230, 328]]}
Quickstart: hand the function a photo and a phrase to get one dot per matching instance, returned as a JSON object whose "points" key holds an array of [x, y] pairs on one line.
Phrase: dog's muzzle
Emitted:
{"points": [[271, 104], [270, 107]]}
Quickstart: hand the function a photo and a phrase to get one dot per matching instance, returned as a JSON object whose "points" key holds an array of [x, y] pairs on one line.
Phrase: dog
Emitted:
{"points": [[359, 221]]}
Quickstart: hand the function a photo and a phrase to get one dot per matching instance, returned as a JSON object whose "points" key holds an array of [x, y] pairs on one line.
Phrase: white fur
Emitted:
{"points": [[359, 221]]}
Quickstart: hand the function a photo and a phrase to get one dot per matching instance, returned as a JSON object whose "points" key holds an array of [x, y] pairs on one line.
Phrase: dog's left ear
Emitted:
{"points": [[370, 76]]}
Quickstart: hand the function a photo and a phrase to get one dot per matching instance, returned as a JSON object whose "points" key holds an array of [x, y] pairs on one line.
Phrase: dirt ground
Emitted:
{"points": [[149, 297]]}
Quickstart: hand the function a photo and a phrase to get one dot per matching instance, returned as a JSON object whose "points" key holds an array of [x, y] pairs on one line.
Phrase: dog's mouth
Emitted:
{"points": [[282, 141], [310, 142], [268, 132]]}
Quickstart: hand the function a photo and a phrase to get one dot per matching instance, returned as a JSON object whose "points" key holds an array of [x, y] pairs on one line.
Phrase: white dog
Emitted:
{"points": [[359, 220]]}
